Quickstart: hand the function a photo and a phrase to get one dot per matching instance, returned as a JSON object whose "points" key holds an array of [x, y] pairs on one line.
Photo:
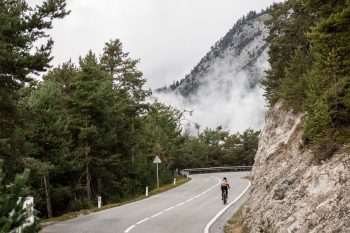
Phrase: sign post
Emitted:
{"points": [[156, 161]]}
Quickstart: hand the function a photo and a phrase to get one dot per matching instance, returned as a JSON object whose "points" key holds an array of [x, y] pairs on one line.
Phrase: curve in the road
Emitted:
{"points": [[186, 209], [172, 207], [207, 227]]}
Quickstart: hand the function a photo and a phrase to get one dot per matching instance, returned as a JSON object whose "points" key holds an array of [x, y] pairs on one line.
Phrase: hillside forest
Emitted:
{"points": [[309, 57]]}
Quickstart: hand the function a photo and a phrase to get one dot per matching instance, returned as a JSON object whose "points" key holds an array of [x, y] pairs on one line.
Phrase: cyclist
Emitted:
{"points": [[224, 186]]}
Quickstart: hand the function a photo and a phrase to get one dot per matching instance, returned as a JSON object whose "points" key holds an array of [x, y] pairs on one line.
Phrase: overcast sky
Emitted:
{"points": [[169, 36]]}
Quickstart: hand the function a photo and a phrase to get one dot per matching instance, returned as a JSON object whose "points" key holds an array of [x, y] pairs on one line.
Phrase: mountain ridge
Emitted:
{"points": [[236, 45]]}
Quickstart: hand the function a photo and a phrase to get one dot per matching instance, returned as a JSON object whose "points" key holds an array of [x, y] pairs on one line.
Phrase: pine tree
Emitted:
{"points": [[89, 105], [128, 84], [127, 79], [293, 87], [288, 26], [48, 135], [21, 28]]}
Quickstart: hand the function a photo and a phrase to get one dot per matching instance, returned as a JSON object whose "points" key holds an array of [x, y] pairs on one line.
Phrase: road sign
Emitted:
{"points": [[157, 159]]}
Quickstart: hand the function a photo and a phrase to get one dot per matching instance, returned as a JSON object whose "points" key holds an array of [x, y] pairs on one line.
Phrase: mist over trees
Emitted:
{"points": [[86, 129], [309, 57]]}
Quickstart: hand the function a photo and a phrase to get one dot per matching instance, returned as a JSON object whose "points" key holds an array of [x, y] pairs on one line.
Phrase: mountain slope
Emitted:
{"points": [[224, 88], [242, 49]]}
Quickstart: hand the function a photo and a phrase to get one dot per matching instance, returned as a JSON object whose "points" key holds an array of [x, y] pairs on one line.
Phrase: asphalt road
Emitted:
{"points": [[185, 209]]}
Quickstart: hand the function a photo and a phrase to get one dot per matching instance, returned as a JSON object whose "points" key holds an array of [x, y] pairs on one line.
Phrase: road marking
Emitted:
{"points": [[170, 208], [180, 204], [127, 230], [157, 214], [143, 220], [206, 229]]}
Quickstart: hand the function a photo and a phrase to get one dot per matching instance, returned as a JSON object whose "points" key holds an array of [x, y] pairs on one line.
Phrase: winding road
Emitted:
{"points": [[189, 208]]}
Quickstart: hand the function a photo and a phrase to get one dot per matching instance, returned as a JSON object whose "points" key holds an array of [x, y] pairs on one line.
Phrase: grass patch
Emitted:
{"points": [[236, 224], [180, 181]]}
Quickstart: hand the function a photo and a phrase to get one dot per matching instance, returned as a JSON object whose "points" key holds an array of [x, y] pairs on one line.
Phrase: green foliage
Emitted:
{"points": [[293, 87], [310, 68], [218, 148], [20, 29], [12, 215], [288, 26]]}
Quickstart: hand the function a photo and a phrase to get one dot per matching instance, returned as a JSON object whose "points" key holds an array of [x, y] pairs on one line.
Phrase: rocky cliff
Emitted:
{"points": [[290, 191]]}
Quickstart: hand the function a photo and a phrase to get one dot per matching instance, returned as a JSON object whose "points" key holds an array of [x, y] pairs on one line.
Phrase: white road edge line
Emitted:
{"points": [[153, 216], [206, 229], [127, 230], [143, 220]]}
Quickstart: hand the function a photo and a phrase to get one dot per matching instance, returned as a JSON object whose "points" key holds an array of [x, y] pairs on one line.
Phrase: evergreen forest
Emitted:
{"points": [[309, 57]]}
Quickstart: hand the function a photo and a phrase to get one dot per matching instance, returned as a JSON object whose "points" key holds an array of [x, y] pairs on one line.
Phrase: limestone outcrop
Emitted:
{"points": [[290, 191]]}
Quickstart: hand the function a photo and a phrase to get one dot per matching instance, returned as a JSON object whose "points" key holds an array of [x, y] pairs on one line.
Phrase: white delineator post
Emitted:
{"points": [[157, 160], [99, 202], [146, 191], [174, 180]]}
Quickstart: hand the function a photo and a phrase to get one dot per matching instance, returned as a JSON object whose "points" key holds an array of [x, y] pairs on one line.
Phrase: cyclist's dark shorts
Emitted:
{"points": [[222, 190]]}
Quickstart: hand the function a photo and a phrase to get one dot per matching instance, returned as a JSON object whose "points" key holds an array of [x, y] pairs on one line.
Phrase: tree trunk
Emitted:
{"points": [[48, 195], [46, 177], [99, 186], [87, 171], [133, 158], [88, 182], [133, 143]]}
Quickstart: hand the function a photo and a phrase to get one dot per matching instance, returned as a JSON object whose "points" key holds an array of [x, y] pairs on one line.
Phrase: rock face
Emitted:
{"points": [[290, 191]]}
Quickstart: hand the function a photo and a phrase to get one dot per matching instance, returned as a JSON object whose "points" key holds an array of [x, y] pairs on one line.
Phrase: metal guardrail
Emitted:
{"points": [[188, 171]]}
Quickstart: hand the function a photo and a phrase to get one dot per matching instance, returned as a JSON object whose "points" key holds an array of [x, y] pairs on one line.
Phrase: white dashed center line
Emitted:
{"points": [[180, 204], [157, 214], [143, 220], [127, 230], [172, 207]]}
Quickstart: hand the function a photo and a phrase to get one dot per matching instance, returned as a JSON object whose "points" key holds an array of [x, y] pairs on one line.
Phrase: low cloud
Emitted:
{"points": [[225, 97]]}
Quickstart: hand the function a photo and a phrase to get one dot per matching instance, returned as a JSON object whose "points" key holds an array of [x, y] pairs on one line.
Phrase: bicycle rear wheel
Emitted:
{"points": [[225, 197]]}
